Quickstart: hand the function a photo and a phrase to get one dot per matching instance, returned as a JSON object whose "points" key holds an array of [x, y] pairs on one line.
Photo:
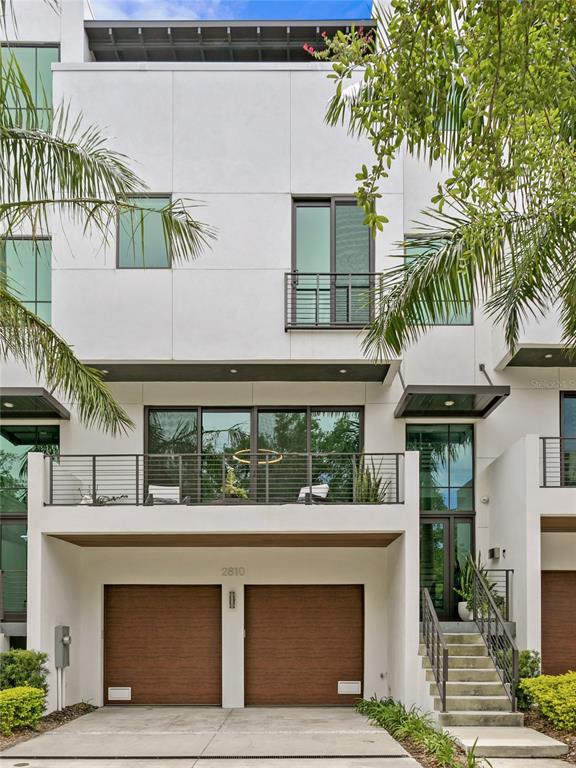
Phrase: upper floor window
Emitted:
{"points": [[35, 63], [332, 264], [454, 313], [26, 265], [446, 465], [142, 242], [16, 442]]}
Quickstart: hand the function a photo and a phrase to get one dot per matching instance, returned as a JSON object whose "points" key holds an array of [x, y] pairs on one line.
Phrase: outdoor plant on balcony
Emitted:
{"points": [[232, 488], [369, 486]]}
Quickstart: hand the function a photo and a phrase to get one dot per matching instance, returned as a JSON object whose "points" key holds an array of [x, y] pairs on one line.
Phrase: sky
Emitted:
{"points": [[231, 9]]}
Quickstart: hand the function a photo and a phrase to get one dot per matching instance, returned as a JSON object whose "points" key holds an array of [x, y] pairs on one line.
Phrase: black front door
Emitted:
{"points": [[445, 543]]}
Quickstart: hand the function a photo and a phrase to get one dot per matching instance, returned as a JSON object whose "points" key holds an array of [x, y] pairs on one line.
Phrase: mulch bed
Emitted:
{"points": [[533, 719], [48, 723], [419, 753]]}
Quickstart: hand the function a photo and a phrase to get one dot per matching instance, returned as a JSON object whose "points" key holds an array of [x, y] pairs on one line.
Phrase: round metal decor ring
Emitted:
{"points": [[277, 456]]}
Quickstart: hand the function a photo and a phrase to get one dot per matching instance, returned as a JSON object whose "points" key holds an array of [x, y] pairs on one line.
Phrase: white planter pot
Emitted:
{"points": [[463, 612]]}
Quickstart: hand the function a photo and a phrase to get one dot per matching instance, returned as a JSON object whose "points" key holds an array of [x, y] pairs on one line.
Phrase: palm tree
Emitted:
{"points": [[66, 168]]}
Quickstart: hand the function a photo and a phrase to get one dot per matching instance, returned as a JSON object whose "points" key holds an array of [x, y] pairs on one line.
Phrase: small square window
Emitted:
{"points": [[27, 268], [142, 242]]}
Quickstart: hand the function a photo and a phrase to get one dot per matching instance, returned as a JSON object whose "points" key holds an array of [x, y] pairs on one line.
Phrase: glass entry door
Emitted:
{"points": [[445, 543]]}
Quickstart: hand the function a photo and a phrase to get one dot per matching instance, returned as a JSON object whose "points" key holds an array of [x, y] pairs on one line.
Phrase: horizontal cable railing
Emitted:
{"points": [[436, 646], [264, 477], [496, 635], [500, 580], [329, 299], [558, 462], [12, 593]]}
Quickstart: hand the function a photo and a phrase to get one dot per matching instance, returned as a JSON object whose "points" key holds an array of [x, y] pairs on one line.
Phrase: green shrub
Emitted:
{"points": [[23, 668], [413, 725], [555, 697], [19, 707], [528, 667]]}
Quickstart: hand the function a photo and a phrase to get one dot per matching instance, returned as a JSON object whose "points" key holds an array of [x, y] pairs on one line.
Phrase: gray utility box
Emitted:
{"points": [[62, 642]]}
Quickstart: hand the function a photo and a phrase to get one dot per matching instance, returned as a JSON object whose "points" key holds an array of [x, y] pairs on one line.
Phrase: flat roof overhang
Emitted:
{"points": [[228, 539], [431, 401], [30, 403], [542, 357], [558, 523], [159, 371], [211, 41]]}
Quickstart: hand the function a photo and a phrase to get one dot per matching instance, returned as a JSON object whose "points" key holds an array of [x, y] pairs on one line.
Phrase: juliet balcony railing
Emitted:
{"points": [[264, 477], [328, 300], [558, 462]]}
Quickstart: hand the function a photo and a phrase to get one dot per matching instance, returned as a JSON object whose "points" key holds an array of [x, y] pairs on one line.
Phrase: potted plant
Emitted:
{"points": [[232, 491], [466, 588], [369, 486]]}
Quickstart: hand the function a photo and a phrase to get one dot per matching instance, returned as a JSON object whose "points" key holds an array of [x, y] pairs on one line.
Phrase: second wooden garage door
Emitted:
{"points": [[300, 641], [164, 642], [558, 621]]}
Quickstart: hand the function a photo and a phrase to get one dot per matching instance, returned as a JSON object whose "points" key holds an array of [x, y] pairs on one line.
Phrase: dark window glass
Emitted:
{"points": [[333, 257], [456, 313], [13, 568], [446, 465], [173, 431], [16, 442], [27, 268], [568, 446], [141, 238], [433, 561]]}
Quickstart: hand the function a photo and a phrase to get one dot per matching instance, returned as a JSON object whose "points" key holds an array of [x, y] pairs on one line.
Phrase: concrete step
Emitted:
{"points": [[470, 688], [480, 719], [475, 704], [512, 742], [467, 649], [461, 649], [467, 676], [464, 662], [475, 638]]}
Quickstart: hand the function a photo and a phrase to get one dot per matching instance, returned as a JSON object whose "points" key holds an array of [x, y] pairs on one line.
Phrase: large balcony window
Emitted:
{"points": [[332, 266], [235, 456]]}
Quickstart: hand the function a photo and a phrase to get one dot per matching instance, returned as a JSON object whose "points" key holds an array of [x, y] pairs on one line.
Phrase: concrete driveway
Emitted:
{"points": [[208, 738]]}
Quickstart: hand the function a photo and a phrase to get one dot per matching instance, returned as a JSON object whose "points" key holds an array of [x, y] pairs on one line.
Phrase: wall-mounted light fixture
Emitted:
{"points": [[232, 599]]}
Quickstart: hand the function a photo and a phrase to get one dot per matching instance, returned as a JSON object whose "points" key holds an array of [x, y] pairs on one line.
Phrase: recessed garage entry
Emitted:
{"points": [[162, 644], [558, 621], [304, 644]]}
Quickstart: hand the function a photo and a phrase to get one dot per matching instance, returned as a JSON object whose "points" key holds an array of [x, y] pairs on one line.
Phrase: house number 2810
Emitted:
{"points": [[230, 570]]}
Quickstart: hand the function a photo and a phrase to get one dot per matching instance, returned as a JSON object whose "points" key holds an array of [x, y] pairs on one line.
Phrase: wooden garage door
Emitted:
{"points": [[300, 641], [558, 621], [164, 642]]}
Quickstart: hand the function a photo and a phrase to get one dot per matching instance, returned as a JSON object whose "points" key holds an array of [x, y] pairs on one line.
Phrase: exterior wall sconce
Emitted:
{"points": [[232, 599]]}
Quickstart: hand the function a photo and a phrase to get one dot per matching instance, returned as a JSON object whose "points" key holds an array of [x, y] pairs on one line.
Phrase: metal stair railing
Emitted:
{"points": [[436, 646], [496, 635]]}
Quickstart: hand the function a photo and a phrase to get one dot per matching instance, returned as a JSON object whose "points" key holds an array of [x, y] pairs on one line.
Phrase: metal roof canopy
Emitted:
{"points": [[211, 41], [430, 401], [168, 371], [30, 403]]}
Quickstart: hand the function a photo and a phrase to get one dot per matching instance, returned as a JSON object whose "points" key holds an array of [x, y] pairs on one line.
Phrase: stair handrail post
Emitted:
{"points": [[498, 639], [436, 646]]}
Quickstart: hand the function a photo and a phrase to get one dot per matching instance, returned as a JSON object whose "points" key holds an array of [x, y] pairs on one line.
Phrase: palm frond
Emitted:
{"points": [[28, 339], [512, 262]]}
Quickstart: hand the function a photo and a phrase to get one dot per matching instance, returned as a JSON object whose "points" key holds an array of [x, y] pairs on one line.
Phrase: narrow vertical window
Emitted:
{"points": [[27, 269]]}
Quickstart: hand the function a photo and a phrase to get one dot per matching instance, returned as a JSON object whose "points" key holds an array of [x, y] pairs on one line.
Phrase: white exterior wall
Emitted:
{"points": [[66, 581]]}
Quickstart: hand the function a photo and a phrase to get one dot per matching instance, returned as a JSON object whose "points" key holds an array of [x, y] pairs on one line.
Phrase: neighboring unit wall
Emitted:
{"points": [[514, 517]]}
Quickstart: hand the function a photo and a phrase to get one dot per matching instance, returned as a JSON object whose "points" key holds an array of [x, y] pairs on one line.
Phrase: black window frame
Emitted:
{"points": [[323, 201]]}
